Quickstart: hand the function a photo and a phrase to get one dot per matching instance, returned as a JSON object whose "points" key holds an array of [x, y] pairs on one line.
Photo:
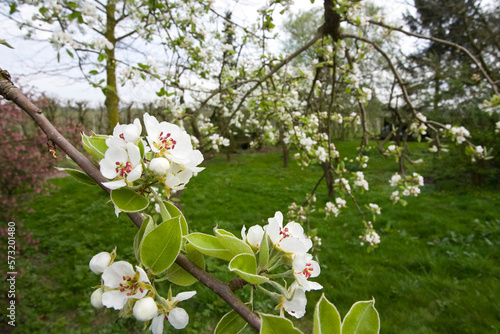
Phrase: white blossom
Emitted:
{"points": [[159, 166], [123, 283], [289, 239], [96, 299], [169, 311], [100, 262], [145, 309], [304, 267], [254, 236], [122, 165]]}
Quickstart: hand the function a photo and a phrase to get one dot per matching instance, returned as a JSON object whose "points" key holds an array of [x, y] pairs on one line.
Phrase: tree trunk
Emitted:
{"points": [[329, 179], [112, 100]]}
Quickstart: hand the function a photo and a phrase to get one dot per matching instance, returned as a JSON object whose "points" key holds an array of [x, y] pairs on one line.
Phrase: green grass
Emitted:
{"points": [[437, 269]]}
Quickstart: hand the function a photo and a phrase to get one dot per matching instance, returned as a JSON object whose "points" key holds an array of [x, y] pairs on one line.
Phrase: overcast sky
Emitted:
{"points": [[31, 63]]}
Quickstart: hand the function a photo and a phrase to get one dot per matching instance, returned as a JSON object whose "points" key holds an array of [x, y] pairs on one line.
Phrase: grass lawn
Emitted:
{"points": [[437, 269]]}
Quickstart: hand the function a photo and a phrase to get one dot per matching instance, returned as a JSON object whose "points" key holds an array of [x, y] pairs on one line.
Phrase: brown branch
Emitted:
{"points": [[445, 42], [398, 77], [276, 68], [14, 94]]}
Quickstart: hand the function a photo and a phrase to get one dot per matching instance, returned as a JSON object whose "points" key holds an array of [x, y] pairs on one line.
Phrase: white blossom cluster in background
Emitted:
{"points": [[217, 141], [166, 155], [129, 289], [334, 209], [409, 186], [359, 181], [458, 134], [419, 126]]}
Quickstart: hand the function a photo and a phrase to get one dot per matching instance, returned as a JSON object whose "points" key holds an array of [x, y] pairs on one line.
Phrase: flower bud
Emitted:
{"points": [[159, 166], [96, 299], [100, 262], [145, 309]]}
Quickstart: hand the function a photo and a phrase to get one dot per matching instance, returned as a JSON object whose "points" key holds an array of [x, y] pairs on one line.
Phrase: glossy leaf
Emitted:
{"points": [[148, 224], [179, 276], [235, 245], [245, 266], [128, 200], [272, 324], [174, 211], [230, 323], [362, 318], [326, 318], [162, 245], [264, 252], [209, 245], [79, 176], [95, 145]]}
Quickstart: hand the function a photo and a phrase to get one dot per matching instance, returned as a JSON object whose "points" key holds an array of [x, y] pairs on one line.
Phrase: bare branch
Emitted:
{"points": [[445, 42]]}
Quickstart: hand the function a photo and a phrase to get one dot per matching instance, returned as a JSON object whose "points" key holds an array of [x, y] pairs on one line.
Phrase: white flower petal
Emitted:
{"points": [[255, 234], [184, 295], [96, 299], [108, 168], [114, 299], [100, 262], [145, 309], [134, 174], [113, 275], [134, 154], [292, 245], [157, 324], [178, 318], [115, 184]]}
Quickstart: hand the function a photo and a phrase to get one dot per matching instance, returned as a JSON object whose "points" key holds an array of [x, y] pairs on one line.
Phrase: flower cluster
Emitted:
{"points": [[334, 209], [458, 134], [419, 125], [167, 155], [129, 290], [218, 141], [360, 182], [290, 245], [371, 237], [410, 186]]}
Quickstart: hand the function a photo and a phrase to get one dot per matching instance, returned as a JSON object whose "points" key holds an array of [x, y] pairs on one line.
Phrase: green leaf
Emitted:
{"points": [[101, 57], [234, 245], [264, 252], [13, 8], [79, 176], [148, 224], [209, 245], [175, 212], [128, 200], [272, 324], [162, 245], [230, 323], [245, 266], [70, 53], [4, 42], [179, 276], [362, 318], [326, 318], [95, 145]]}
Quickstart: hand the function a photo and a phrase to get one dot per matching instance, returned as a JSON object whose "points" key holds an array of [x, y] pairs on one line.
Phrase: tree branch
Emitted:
{"points": [[14, 94], [443, 41]]}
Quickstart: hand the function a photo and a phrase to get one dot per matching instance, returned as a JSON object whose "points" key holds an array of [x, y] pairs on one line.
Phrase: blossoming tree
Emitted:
{"points": [[142, 163]]}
